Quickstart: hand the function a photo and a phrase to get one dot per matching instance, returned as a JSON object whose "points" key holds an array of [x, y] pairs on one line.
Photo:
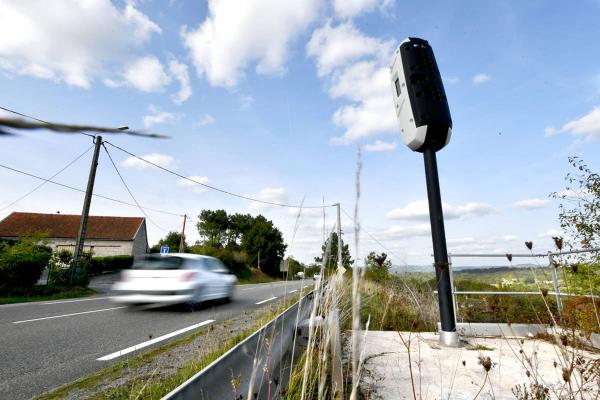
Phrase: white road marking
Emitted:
{"points": [[264, 301], [73, 301], [155, 340], [68, 315], [294, 291]]}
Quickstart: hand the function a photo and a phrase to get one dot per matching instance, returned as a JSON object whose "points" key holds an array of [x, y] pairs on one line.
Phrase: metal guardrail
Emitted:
{"points": [[557, 293], [259, 365]]}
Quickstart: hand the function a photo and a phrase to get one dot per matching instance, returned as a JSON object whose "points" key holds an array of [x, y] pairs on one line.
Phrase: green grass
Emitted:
{"points": [[256, 276], [45, 293]]}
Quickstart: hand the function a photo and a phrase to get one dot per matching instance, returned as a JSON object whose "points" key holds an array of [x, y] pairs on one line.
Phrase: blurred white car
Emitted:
{"points": [[316, 277], [174, 278]]}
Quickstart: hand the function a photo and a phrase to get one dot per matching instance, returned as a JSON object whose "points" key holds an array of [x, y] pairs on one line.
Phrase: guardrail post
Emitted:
{"points": [[553, 268]]}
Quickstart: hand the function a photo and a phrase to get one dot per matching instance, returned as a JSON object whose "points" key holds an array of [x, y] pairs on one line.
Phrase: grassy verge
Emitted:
{"points": [[154, 373], [45, 293], [256, 276]]}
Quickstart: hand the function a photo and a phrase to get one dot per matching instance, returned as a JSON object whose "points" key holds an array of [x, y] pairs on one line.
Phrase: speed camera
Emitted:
{"points": [[419, 97]]}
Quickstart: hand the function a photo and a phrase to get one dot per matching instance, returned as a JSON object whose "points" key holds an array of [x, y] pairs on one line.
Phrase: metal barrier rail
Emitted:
{"points": [[261, 362], [557, 293]]}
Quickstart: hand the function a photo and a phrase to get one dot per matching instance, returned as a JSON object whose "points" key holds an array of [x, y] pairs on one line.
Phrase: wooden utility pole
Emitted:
{"points": [[86, 208], [182, 240]]}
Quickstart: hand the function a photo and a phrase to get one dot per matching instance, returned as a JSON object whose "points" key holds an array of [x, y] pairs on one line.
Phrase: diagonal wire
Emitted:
{"points": [[46, 180], [210, 186], [130, 192], [83, 191]]}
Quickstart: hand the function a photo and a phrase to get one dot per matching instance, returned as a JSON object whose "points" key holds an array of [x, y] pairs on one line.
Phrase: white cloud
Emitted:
{"points": [[481, 78], [379, 145], [70, 41], [549, 131], [270, 194], [334, 47], [162, 160], [146, 74], [401, 231], [237, 33], [180, 72], [355, 66], [419, 210], [587, 126], [207, 119], [157, 116], [550, 233], [352, 8], [531, 204]]}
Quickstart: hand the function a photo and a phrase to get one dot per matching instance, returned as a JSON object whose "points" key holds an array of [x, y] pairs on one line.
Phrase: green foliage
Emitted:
{"points": [[264, 240], [378, 266], [239, 239], [110, 263], [21, 264], [173, 239], [579, 211], [333, 253], [61, 271]]}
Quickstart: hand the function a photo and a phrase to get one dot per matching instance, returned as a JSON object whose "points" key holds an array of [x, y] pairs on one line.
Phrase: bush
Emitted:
{"points": [[61, 273], [111, 263], [21, 264]]}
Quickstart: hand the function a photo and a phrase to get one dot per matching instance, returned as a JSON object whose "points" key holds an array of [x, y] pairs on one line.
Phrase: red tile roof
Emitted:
{"points": [[20, 224]]}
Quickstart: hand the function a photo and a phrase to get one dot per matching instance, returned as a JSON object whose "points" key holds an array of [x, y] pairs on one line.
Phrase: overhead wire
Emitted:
{"points": [[130, 192], [210, 186], [46, 180], [83, 191]]}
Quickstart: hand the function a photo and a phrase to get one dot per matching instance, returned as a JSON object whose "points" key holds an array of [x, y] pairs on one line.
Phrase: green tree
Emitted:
{"points": [[172, 240], [378, 266], [347, 260], [213, 227], [239, 224], [579, 211], [265, 239]]}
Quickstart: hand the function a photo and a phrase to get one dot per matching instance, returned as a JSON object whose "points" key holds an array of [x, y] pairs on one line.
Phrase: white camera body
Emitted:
{"points": [[419, 97]]}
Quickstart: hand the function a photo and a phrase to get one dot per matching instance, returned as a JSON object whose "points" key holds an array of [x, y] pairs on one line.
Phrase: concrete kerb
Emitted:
{"points": [[259, 359], [490, 329]]}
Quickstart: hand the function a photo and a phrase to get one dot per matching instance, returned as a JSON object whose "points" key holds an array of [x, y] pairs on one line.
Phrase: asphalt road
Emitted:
{"points": [[47, 344]]}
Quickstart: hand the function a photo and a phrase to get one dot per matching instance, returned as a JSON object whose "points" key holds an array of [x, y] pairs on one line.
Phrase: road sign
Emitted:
{"points": [[164, 250]]}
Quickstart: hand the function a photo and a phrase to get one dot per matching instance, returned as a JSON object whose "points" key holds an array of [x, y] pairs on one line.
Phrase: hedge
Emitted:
{"points": [[21, 264], [110, 263]]}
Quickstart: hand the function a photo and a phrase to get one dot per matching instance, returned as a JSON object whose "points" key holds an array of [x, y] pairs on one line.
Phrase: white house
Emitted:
{"points": [[106, 236]]}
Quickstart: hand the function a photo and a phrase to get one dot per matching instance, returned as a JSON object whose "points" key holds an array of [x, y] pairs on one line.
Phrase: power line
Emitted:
{"points": [[46, 180], [83, 191], [36, 119], [210, 186], [129, 191]]}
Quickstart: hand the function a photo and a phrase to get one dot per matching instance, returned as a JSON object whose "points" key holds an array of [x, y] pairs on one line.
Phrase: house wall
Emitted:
{"points": [[99, 248], [140, 242]]}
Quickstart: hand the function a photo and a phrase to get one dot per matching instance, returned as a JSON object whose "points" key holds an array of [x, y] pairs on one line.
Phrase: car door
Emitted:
{"points": [[219, 270]]}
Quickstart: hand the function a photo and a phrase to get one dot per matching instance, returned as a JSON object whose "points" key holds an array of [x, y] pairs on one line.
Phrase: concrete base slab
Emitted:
{"points": [[459, 373]]}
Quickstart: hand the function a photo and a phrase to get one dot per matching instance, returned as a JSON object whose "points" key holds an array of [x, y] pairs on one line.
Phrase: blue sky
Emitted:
{"points": [[270, 99]]}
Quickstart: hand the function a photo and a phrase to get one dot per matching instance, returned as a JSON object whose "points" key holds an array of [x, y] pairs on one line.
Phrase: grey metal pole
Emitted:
{"points": [[448, 334], [182, 240], [86, 207], [555, 282]]}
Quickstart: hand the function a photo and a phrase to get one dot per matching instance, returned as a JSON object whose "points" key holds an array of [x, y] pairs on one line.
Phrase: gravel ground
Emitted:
{"points": [[168, 361]]}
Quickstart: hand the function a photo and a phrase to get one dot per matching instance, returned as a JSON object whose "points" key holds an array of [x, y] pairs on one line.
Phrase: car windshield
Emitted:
{"points": [[158, 263]]}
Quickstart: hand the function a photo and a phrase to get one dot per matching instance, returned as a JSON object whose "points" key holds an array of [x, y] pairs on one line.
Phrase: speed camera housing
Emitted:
{"points": [[419, 97]]}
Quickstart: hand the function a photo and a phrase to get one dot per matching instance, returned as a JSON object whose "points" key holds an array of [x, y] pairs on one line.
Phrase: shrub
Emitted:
{"points": [[110, 263], [581, 313], [236, 261], [21, 264], [61, 273]]}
